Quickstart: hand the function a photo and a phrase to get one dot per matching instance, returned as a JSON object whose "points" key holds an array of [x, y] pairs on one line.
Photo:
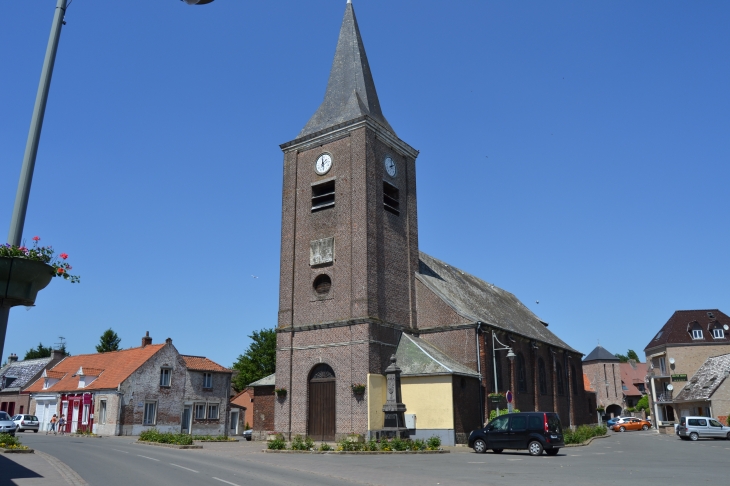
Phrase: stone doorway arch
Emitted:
{"points": [[322, 386], [613, 411]]}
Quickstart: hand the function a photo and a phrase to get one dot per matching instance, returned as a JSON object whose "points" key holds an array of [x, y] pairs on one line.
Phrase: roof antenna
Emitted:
{"points": [[62, 344]]}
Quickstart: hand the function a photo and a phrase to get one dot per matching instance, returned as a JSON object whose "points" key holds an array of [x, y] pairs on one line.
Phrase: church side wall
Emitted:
{"points": [[430, 398], [466, 407]]}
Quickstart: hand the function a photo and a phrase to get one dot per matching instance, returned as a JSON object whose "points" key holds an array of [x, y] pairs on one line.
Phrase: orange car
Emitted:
{"points": [[632, 424]]}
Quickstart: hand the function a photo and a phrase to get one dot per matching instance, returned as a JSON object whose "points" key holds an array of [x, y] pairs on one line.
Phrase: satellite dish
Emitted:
{"points": [[726, 327], [670, 387], [671, 360]]}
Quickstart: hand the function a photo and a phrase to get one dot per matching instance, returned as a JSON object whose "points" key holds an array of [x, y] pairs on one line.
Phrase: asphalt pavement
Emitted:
{"points": [[638, 457]]}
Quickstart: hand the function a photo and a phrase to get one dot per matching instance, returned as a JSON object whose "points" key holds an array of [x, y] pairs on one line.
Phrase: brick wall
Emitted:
{"points": [[466, 407], [263, 411], [218, 394]]}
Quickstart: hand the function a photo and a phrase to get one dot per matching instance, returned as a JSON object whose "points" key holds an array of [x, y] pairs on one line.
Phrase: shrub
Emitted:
{"points": [[583, 433], [154, 435], [277, 444], [398, 444], [325, 447], [643, 404], [212, 438], [420, 445], [7, 441], [247, 427], [433, 443], [299, 444], [502, 411], [371, 445], [345, 445]]}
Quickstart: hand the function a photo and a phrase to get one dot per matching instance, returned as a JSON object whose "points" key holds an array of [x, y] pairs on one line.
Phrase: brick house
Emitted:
{"points": [[353, 281], [707, 393], [241, 411], [125, 392], [16, 375], [685, 342]]}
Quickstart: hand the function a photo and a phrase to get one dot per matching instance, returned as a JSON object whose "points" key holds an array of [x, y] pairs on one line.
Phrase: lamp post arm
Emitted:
{"points": [[34, 134]]}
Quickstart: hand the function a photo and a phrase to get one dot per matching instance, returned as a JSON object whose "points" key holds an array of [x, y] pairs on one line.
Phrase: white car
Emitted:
{"points": [[26, 422]]}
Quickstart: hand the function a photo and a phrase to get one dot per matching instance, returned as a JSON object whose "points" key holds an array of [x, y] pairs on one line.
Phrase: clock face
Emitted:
{"points": [[324, 162], [390, 166]]}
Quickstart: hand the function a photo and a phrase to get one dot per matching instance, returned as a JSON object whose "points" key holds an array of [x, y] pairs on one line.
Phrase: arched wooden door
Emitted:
{"points": [[321, 424]]}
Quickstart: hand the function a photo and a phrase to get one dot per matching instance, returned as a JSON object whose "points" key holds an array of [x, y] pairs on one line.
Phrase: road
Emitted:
{"points": [[644, 458]]}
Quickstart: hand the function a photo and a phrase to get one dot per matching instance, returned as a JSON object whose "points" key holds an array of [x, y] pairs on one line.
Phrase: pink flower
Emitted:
{"points": [[36, 238], [22, 248], [69, 267], [63, 255]]}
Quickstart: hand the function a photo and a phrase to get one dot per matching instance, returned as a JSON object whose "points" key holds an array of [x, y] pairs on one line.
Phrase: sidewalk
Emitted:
{"points": [[37, 469]]}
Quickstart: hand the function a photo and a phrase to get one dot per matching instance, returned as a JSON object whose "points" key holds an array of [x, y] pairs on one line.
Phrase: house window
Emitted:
{"points": [[102, 411], [542, 376], [718, 333], [213, 411], [207, 380], [521, 374], [391, 198], [200, 411], [559, 373], [323, 196], [165, 374], [85, 416], [696, 333], [150, 413]]}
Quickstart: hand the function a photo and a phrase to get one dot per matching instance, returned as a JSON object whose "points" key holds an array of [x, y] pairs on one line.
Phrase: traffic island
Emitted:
{"points": [[362, 453], [170, 446]]}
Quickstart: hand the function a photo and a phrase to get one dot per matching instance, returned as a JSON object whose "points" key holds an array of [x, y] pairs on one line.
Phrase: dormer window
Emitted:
{"points": [[46, 383], [718, 333], [697, 334]]}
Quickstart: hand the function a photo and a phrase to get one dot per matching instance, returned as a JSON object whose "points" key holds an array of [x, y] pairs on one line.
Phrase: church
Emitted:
{"points": [[355, 290]]}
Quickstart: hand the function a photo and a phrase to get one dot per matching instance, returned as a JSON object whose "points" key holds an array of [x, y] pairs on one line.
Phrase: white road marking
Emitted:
{"points": [[120, 451], [514, 459], [150, 458], [183, 467], [224, 481], [477, 463]]}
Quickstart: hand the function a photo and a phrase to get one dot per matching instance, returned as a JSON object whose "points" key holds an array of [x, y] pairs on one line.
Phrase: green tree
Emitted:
{"points": [[643, 404], [109, 341], [43, 352], [258, 361], [631, 354]]}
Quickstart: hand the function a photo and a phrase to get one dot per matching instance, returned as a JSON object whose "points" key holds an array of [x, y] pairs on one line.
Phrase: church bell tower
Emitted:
{"points": [[349, 251]]}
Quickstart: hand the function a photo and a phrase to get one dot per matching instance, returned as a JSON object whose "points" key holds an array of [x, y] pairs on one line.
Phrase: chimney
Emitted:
{"points": [[146, 339], [168, 340], [12, 358], [57, 355]]}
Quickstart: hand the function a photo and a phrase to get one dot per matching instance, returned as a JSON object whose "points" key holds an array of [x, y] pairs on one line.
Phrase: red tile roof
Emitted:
{"points": [[88, 371], [117, 366], [631, 377], [200, 363], [55, 374], [587, 383]]}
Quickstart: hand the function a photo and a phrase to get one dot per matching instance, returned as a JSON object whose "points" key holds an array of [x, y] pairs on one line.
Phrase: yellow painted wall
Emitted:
{"points": [[430, 398], [376, 400]]}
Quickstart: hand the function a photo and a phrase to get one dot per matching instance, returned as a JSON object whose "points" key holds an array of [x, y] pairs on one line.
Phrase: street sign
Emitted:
{"points": [[509, 396]]}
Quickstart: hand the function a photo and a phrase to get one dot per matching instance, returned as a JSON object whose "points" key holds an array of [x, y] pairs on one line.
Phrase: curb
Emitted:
{"points": [[234, 440], [365, 453], [588, 441], [16, 451], [170, 446]]}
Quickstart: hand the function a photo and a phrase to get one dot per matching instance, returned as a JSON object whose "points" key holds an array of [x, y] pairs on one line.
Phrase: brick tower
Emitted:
{"points": [[349, 251]]}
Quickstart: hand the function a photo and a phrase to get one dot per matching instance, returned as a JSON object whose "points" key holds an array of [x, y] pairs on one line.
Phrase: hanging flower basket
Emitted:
{"points": [[25, 271], [358, 388], [280, 392]]}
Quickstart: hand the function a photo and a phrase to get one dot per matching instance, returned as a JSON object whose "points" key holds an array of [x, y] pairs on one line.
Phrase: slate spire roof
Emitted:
{"points": [[600, 354], [350, 90]]}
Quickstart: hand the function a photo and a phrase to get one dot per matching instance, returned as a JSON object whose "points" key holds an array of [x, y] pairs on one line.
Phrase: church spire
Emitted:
{"points": [[350, 89]]}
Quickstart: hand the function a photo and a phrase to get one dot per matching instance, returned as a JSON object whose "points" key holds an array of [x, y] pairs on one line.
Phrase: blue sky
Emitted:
{"points": [[572, 153]]}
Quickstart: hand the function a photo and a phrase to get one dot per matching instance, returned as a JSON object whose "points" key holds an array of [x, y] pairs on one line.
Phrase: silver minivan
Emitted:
{"points": [[693, 428]]}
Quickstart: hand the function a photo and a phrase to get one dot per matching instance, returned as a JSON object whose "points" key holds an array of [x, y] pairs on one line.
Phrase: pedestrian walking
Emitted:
{"points": [[54, 419], [62, 425]]}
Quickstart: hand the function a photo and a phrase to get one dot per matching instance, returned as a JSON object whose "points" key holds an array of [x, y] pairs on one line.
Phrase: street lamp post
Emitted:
{"points": [[17, 220], [510, 355]]}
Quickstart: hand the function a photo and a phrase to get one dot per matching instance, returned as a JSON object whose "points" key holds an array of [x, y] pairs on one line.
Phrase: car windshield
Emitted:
{"points": [[4, 416], [715, 423], [554, 424]]}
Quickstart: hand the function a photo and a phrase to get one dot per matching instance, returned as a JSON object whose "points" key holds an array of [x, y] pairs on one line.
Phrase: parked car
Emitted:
{"points": [[26, 422], [693, 428], [247, 434], [611, 422], [534, 431], [7, 426], [631, 423]]}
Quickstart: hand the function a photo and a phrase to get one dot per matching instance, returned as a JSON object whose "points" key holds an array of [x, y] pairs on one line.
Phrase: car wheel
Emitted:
{"points": [[35, 431], [497, 451], [480, 446], [534, 448], [622, 429], [552, 452], [644, 427], [693, 436], [248, 438]]}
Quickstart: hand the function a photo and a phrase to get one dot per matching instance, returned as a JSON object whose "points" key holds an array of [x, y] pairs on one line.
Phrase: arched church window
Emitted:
{"points": [[574, 379], [521, 373], [542, 376], [560, 383]]}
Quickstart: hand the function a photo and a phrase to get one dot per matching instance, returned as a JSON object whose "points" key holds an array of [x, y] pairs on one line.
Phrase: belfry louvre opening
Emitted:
{"points": [[391, 198], [323, 196], [322, 284]]}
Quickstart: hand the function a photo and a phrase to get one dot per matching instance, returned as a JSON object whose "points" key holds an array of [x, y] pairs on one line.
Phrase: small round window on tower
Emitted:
{"points": [[322, 284]]}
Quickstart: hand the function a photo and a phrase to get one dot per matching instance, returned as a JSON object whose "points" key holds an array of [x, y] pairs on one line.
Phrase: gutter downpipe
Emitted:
{"points": [[479, 370]]}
